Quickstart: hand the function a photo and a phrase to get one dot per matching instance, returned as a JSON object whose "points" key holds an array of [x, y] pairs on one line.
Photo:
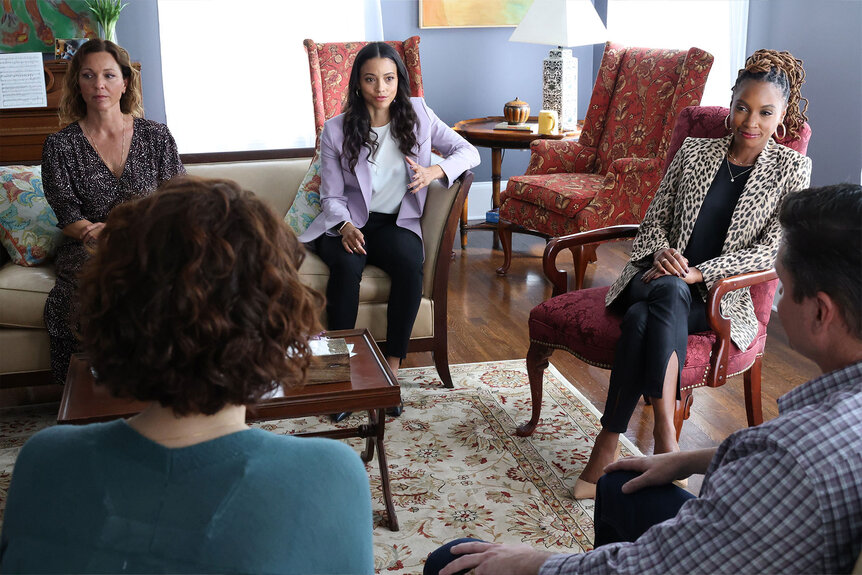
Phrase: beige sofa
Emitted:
{"points": [[24, 352]]}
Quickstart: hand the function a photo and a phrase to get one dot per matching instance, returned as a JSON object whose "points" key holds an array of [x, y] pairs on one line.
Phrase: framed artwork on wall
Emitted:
{"points": [[471, 13], [30, 26]]}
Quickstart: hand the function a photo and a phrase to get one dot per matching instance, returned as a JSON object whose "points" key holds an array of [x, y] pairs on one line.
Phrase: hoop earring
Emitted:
{"points": [[726, 122], [783, 131]]}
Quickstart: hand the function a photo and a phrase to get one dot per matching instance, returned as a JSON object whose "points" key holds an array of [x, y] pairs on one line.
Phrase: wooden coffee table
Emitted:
{"points": [[372, 388]]}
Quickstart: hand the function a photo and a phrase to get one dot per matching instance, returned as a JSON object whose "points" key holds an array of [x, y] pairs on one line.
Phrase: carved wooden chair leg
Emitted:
{"points": [[537, 360], [505, 232], [463, 227], [581, 256], [441, 360], [682, 410], [753, 407]]}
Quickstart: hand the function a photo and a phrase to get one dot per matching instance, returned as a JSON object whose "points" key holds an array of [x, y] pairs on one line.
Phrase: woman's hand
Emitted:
{"points": [[670, 261], [352, 239], [90, 234], [422, 176]]}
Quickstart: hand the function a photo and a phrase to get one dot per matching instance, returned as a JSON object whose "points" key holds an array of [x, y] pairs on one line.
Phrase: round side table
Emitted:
{"points": [[481, 132]]}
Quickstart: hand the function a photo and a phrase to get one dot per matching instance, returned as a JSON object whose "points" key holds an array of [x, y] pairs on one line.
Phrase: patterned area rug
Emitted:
{"points": [[456, 467]]}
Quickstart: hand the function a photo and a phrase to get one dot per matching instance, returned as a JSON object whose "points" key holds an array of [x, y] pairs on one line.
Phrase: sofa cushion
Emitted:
{"points": [[306, 204], [23, 292], [565, 194], [275, 181], [28, 224]]}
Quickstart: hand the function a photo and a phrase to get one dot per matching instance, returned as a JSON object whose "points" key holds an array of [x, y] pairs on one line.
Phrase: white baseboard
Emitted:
{"points": [[479, 200]]}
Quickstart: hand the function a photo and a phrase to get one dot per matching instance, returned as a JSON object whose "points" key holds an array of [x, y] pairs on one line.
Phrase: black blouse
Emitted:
{"points": [[713, 219]]}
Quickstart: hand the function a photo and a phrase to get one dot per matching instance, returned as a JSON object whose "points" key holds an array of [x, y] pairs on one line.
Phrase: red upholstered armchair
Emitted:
{"points": [[330, 66], [579, 323], [609, 176]]}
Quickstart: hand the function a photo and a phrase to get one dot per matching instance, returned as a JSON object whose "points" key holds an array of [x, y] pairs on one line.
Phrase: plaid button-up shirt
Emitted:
{"points": [[782, 497]]}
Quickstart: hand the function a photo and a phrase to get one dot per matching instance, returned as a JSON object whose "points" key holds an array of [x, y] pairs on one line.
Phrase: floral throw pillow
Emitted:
{"points": [[306, 205], [28, 225]]}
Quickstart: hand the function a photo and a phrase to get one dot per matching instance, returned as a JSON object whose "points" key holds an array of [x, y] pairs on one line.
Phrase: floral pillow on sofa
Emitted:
{"points": [[28, 225], [306, 205]]}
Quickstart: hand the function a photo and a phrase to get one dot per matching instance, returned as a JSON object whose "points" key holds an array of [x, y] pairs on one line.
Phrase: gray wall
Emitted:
{"points": [[827, 36], [472, 72], [138, 32]]}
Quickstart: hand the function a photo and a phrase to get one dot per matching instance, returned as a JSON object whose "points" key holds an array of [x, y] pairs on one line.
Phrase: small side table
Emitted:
{"points": [[481, 132]]}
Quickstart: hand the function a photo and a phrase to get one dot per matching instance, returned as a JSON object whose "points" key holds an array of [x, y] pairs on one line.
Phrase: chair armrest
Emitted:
{"points": [[560, 156], [558, 277], [720, 324], [629, 187]]}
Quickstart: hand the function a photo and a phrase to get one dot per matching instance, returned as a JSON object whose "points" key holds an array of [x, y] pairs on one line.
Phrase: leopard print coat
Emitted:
{"points": [[754, 233]]}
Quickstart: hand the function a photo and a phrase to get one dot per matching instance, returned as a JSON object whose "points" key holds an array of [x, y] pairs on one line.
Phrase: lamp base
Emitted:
{"points": [[560, 86]]}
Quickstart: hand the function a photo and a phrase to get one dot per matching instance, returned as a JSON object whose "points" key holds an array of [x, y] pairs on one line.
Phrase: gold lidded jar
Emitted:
{"points": [[516, 112]]}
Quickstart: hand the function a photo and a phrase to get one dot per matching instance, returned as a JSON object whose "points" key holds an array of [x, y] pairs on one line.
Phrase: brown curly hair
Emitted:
{"points": [[785, 72], [72, 106], [193, 299]]}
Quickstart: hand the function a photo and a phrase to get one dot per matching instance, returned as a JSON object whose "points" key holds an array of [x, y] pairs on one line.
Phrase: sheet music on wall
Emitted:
{"points": [[22, 81]]}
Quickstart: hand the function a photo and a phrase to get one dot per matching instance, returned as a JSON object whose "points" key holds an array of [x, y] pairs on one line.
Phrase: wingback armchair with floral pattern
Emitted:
{"points": [[608, 176]]}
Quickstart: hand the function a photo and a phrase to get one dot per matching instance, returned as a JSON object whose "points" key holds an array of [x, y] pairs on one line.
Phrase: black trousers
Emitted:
{"points": [[395, 250], [657, 318], [621, 517]]}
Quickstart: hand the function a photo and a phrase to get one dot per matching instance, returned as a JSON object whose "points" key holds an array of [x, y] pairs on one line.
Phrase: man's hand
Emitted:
{"points": [[663, 468], [496, 559]]}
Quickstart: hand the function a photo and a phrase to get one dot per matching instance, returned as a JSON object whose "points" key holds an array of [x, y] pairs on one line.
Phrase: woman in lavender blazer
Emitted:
{"points": [[375, 171]]}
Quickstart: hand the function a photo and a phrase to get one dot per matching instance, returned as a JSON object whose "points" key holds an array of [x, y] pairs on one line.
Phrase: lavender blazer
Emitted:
{"points": [[345, 196]]}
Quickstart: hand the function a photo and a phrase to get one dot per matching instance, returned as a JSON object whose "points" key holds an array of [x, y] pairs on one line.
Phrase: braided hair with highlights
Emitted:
{"points": [[785, 72]]}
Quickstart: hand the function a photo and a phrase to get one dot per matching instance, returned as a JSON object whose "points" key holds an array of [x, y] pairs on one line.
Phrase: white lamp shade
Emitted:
{"points": [[561, 23]]}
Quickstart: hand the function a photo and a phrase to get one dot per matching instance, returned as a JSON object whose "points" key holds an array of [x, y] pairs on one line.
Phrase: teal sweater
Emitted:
{"points": [[102, 498]]}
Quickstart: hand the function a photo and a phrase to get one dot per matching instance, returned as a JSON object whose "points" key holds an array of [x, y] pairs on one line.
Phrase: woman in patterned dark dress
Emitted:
{"points": [[107, 154]]}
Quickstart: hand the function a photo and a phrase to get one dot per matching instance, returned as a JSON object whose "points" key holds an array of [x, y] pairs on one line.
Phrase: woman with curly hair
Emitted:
{"points": [[374, 175], [192, 302], [714, 215], [107, 154]]}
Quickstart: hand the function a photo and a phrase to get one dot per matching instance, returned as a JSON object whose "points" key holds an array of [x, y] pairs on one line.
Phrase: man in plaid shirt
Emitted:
{"points": [[782, 497]]}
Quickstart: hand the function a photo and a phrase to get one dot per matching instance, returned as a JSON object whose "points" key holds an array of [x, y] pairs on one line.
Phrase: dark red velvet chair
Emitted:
{"points": [[579, 322]]}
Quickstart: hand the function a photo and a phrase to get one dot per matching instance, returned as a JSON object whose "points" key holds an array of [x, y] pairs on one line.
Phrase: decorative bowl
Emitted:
{"points": [[516, 112]]}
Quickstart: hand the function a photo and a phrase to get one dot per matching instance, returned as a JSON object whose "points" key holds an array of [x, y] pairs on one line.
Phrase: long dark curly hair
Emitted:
{"points": [[357, 121], [786, 72], [193, 299]]}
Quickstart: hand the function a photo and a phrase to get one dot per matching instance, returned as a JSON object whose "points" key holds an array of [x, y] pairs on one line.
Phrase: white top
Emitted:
{"points": [[389, 177]]}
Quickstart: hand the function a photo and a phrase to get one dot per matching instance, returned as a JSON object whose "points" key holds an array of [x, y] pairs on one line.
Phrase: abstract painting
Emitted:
{"points": [[471, 13], [33, 25]]}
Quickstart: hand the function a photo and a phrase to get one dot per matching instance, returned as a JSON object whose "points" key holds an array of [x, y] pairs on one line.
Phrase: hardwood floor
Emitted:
{"points": [[488, 321]]}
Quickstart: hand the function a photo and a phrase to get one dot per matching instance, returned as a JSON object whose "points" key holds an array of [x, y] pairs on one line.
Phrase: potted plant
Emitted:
{"points": [[107, 12]]}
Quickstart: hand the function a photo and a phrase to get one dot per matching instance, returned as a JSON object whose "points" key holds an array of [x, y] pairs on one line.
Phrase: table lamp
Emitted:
{"points": [[561, 23]]}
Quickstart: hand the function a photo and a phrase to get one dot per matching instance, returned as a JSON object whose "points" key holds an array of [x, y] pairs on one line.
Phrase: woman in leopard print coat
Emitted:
{"points": [[714, 215]]}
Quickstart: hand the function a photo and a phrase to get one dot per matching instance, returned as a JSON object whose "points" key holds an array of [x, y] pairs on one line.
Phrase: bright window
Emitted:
{"points": [[235, 73], [717, 26]]}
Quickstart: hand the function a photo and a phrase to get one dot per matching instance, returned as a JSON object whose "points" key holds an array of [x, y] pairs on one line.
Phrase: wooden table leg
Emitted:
{"points": [[464, 222], [384, 471], [496, 176], [370, 439]]}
